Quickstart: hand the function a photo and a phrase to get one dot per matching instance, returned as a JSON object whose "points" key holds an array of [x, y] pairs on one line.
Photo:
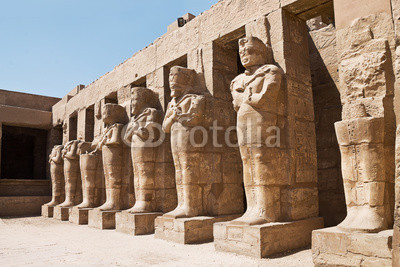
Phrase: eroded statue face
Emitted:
{"points": [[177, 82], [250, 54], [136, 103]]}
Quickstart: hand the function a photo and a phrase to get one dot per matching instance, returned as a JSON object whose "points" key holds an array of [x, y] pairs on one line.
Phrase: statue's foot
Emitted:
{"points": [[52, 203], [249, 218], [109, 206], [141, 207], [179, 212], [66, 204], [366, 219], [347, 223], [84, 205]]}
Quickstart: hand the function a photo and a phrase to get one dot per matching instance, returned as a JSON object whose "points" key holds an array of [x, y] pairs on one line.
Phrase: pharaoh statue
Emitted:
{"points": [[142, 133], [111, 146], [73, 187], [90, 164], [366, 134], [57, 176], [186, 111], [255, 97]]}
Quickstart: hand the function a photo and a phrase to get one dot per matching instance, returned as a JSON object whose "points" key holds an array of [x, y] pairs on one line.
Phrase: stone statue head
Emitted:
{"points": [[57, 150], [180, 79], [141, 99], [253, 52], [114, 113]]}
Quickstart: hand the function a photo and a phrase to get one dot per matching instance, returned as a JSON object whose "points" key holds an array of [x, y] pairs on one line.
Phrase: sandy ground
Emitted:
{"points": [[39, 241]]}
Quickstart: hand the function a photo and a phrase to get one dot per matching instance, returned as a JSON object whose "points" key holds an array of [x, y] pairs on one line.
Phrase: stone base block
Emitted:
{"points": [[264, 240], [102, 219], [47, 211], [61, 213], [79, 216], [193, 230], [334, 247], [136, 224]]}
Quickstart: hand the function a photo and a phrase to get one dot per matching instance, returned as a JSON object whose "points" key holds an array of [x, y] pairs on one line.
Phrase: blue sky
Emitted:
{"points": [[48, 47]]}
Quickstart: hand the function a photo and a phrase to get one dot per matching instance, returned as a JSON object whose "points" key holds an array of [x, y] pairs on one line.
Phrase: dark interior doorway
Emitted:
{"points": [[23, 153]]}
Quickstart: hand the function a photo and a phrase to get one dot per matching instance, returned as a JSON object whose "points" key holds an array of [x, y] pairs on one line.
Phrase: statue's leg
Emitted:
{"points": [[77, 182], [145, 190], [88, 170], [261, 185], [58, 190], [180, 162], [112, 163], [70, 184], [370, 189], [364, 177], [192, 180], [350, 174], [55, 195], [100, 183], [249, 187]]}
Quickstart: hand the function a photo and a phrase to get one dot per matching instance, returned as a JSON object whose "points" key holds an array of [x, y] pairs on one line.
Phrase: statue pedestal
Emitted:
{"points": [[61, 213], [263, 240], [136, 224], [47, 211], [79, 216], [193, 230], [334, 247], [102, 219]]}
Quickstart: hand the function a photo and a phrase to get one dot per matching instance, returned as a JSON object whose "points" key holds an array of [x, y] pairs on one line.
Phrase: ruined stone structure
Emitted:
{"points": [[155, 191], [278, 130], [116, 183]]}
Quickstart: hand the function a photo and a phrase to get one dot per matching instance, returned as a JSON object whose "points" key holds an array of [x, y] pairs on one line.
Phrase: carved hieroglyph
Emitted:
{"points": [[143, 133], [73, 186], [92, 177], [186, 111], [365, 134], [57, 176], [255, 99], [111, 146]]}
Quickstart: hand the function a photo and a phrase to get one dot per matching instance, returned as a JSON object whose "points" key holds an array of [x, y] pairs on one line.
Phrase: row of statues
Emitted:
{"points": [[254, 94]]}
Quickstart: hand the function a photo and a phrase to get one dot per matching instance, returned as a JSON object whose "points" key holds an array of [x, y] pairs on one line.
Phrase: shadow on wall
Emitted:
{"points": [[327, 109]]}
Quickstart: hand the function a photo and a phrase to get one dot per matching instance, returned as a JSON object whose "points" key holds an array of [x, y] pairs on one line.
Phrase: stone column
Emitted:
{"points": [[280, 176], [396, 227], [366, 136]]}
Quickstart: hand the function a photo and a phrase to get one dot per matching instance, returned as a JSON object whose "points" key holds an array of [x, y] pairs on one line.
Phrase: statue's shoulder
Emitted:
{"points": [[150, 111], [154, 113], [193, 97], [270, 68], [239, 78]]}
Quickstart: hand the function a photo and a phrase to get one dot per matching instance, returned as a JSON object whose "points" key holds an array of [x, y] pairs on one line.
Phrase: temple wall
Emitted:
{"points": [[328, 110], [396, 228], [207, 42]]}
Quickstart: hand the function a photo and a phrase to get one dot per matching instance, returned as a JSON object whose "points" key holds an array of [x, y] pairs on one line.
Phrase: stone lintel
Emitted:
{"points": [[261, 241]]}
